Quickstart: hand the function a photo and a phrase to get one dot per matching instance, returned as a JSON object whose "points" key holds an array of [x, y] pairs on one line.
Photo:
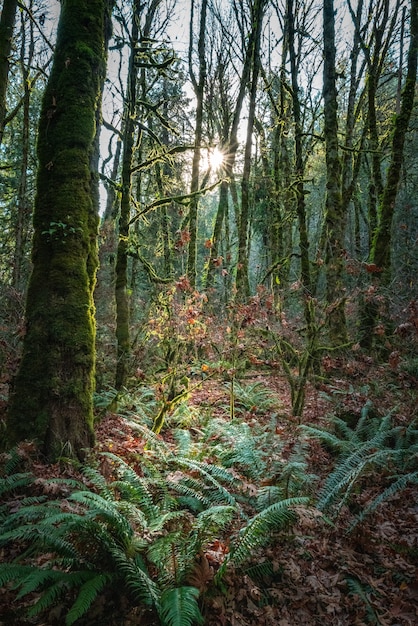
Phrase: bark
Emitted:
{"points": [[380, 253], [334, 218], [300, 173], [52, 396], [7, 21], [198, 86], [24, 206], [242, 279], [121, 278], [231, 146]]}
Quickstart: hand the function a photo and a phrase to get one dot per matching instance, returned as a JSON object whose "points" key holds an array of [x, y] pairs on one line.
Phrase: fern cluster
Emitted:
{"points": [[372, 444], [145, 528]]}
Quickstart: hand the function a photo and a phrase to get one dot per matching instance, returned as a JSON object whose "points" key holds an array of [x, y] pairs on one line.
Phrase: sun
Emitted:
{"points": [[215, 158]]}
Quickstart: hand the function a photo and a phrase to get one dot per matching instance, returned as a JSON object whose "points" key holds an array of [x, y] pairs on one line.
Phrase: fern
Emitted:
{"points": [[137, 579], [15, 481], [255, 397], [87, 594], [179, 607], [12, 461], [34, 579], [243, 451], [398, 485], [265, 570], [259, 529], [372, 443], [208, 489], [356, 588]]}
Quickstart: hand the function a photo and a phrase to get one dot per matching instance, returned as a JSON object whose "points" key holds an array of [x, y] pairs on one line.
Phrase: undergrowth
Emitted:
{"points": [[144, 529]]}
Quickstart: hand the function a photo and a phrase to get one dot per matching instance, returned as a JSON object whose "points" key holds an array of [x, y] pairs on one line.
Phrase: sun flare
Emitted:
{"points": [[216, 158]]}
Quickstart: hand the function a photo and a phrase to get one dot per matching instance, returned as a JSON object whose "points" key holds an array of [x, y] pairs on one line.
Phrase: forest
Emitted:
{"points": [[208, 312]]}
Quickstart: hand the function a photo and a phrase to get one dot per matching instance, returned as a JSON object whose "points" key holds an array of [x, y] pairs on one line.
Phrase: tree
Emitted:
{"points": [[52, 396], [242, 282], [7, 21], [121, 279], [334, 218], [380, 255], [198, 86]]}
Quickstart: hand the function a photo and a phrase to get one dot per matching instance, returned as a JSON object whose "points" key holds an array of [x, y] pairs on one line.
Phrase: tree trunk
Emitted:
{"points": [[198, 86], [242, 279], [300, 174], [24, 205], [52, 396], [7, 21], [334, 218], [121, 280], [380, 253]]}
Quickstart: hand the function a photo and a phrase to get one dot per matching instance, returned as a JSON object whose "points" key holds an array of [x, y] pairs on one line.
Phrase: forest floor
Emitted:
{"points": [[321, 573]]}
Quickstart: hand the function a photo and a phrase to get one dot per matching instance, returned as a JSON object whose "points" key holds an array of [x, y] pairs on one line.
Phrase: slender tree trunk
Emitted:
{"points": [[52, 396], [242, 278], [121, 279], [232, 144], [198, 86], [335, 219], [7, 22], [300, 174], [24, 206], [380, 255]]}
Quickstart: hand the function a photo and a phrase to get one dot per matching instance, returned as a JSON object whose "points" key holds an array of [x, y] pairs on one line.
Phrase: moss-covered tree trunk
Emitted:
{"points": [[198, 86], [380, 255], [242, 278], [7, 21], [335, 218], [52, 396], [305, 270]]}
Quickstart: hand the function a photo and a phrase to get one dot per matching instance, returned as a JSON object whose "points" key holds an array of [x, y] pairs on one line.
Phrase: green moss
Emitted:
{"points": [[52, 399]]}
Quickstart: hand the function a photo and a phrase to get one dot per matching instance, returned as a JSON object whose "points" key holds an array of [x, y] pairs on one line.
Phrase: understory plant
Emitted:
{"points": [[143, 529], [373, 444]]}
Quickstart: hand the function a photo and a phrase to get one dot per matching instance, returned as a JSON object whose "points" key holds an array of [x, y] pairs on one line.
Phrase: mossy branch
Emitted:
{"points": [[181, 199]]}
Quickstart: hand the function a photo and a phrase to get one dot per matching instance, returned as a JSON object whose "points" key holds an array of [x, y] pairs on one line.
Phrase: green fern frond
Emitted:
{"points": [[400, 483], [269, 495], [192, 491], [183, 439], [344, 477], [265, 570], [87, 594], [254, 397], [155, 443], [179, 607], [12, 462], [133, 487], [97, 507], [356, 588], [137, 579], [327, 437], [212, 475], [15, 481], [173, 555], [99, 483], [62, 583], [260, 527], [213, 519], [13, 572], [241, 448]]}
